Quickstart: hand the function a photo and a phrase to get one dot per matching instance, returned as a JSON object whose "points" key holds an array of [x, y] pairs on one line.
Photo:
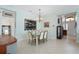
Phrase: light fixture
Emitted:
{"points": [[39, 15], [70, 19]]}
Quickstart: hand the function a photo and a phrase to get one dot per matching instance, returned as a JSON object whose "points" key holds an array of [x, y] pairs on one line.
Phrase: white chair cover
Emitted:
{"points": [[41, 35]]}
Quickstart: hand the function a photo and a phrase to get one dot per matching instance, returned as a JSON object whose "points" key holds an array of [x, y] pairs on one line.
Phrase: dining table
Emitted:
{"points": [[36, 35]]}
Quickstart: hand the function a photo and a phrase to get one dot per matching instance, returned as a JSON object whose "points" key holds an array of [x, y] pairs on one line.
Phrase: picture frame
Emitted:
{"points": [[46, 24], [29, 24]]}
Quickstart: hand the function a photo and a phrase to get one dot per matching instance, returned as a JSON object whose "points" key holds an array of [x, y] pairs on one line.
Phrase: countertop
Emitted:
{"points": [[7, 40]]}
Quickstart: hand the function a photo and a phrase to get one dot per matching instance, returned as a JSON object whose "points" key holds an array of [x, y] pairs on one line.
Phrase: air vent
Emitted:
{"points": [[8, 14]]}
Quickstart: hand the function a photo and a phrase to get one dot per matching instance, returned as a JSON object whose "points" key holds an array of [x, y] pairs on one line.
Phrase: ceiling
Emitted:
{"points": [[49, 9]]}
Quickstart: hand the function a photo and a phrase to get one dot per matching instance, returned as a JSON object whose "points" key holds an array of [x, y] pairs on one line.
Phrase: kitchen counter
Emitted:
{"points": [[6, 40]]}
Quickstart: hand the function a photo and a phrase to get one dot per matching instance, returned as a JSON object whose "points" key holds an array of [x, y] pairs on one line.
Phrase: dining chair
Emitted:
{"points": [[45, 35], [34, 34], [41, 37], [31, 38]]}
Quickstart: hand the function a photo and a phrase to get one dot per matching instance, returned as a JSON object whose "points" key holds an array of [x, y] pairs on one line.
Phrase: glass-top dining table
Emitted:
{"points": [[36, 34]]}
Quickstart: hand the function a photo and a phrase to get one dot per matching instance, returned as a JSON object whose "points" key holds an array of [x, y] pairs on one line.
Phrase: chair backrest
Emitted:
{"points": [[41, 35], [33, 32], [30, 35], [45, 34]]}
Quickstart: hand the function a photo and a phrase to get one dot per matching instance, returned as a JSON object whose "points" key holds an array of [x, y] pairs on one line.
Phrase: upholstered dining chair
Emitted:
{"points": [[34, 34], [31, 39], [45, 35], [41, 37]]}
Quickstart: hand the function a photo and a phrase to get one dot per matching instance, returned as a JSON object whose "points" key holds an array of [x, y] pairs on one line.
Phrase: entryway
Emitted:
{"points": [[68, 22]]}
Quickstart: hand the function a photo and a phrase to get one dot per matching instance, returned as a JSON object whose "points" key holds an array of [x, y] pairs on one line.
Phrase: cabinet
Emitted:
{"points": [[7, 44], [59, 32]]}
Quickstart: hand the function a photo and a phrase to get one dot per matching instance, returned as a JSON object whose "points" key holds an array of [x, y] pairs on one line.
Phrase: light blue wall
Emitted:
{"points": [[52, 26], [52, 19]]}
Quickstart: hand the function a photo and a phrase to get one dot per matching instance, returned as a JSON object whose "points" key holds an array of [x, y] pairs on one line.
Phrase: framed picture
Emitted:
{"points": [[29, 24], [46, 24]]}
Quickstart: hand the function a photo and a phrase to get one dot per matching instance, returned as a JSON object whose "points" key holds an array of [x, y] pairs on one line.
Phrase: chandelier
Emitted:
{"points": [[39, 17]]}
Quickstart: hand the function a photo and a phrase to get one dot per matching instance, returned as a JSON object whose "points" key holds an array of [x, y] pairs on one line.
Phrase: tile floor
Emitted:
{"points": [[52, 46]]}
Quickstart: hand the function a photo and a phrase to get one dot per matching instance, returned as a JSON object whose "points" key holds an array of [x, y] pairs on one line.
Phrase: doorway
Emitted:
{"points": [[71, 33], [69, 26]]}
